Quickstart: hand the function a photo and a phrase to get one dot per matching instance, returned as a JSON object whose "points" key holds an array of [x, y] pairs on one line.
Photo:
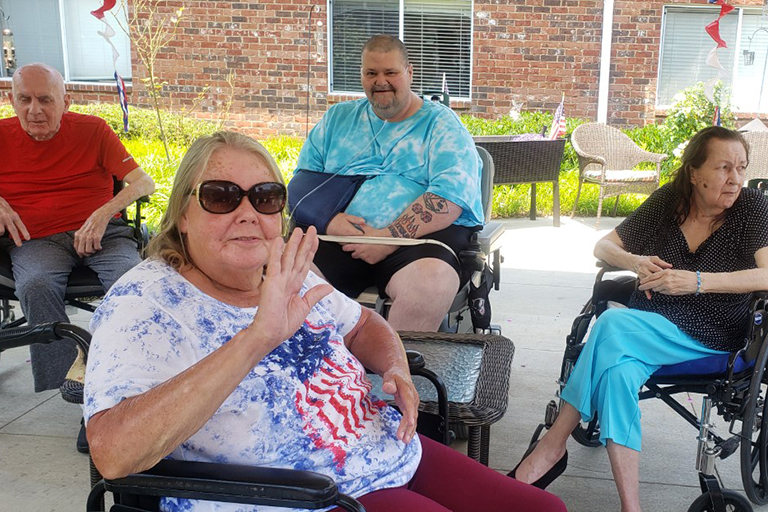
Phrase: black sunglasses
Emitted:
{"points": [[218, 196]]}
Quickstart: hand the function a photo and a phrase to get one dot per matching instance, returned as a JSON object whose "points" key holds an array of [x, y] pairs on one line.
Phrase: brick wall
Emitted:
{"points": [[527, 51]]}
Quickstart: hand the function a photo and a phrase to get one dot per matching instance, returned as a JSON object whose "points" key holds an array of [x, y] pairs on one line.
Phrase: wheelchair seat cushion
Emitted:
{"points": [[712, 365]]}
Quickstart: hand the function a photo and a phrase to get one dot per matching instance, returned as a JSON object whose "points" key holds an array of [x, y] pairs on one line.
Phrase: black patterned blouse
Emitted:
{"points": [[717, 320]]}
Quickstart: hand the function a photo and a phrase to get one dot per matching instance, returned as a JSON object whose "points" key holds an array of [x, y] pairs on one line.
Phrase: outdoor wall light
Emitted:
{"points": [[9, 52], [749, 57]]}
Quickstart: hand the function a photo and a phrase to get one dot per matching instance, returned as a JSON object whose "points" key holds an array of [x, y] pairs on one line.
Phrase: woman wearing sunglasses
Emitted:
{"points": [[222, 346]]}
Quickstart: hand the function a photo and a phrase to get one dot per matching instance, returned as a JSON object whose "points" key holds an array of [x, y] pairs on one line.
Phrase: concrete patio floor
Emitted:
{"points": [[547, 276]]}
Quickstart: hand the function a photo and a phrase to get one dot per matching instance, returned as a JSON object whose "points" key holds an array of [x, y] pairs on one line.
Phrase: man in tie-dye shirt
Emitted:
{"points": [[425, 183]]}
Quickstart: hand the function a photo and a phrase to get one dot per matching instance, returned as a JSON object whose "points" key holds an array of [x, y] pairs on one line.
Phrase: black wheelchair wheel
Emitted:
{"points": [[588, 434], [754, 431], [734, 502]]}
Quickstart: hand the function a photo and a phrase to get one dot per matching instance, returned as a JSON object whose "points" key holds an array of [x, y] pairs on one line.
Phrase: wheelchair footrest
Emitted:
{"points": [[729, 446]]}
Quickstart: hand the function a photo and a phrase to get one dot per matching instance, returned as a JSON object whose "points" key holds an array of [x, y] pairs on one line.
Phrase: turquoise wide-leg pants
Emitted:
{"points": [[624, 348]]}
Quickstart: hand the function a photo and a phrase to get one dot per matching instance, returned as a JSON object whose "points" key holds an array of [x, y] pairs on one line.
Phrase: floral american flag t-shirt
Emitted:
{"points": [[306, 405]]}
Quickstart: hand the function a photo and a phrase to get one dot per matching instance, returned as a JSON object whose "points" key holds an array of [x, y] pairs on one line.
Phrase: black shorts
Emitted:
{"points": [[352, 276]]}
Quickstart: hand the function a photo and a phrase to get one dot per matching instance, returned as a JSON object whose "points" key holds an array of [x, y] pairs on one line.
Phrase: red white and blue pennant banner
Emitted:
{"points": [[108, 34]]}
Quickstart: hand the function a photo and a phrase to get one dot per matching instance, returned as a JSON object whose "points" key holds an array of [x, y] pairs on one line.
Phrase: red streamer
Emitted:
{"points": [[108, 4], [713, 29]]}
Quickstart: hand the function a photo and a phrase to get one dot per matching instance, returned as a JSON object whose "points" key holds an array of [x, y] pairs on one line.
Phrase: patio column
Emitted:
{"points": [[605, 62]]}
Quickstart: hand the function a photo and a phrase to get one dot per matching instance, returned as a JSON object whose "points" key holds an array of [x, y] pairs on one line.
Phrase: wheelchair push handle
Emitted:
{"points": [[43, 333]]}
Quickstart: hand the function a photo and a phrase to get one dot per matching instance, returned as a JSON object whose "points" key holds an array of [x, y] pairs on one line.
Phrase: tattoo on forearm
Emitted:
{"points": [[435, 203], [419, 210], [404, 227]]}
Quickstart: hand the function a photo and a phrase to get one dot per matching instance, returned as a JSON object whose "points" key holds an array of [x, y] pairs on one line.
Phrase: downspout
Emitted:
{"points": [[605, 62]]}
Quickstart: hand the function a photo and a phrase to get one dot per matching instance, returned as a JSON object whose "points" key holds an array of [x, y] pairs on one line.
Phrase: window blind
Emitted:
{"points": [[36, 31], [685, 48], [89, 55], [751, 77], [37, 27], [354, 22], [437, 33]]}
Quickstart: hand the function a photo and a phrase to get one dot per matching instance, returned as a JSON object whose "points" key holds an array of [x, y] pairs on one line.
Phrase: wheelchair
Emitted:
{"points": [[211, 481], [83, 285], [470, 311], [733, 385]]}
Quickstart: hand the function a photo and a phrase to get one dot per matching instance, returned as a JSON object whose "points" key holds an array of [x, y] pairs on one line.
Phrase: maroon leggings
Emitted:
{"points": [[447, 480]]}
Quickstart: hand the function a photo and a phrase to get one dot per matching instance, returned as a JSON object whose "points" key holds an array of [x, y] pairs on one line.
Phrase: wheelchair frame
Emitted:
{"points": [[737, 396]]}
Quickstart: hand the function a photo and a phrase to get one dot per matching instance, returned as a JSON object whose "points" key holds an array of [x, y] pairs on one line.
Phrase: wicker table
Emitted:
{"points": [[475, 369], [529, 161]]}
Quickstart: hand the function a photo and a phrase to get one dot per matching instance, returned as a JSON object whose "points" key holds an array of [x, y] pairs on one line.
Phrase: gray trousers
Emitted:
{"points": [[41, 268]]}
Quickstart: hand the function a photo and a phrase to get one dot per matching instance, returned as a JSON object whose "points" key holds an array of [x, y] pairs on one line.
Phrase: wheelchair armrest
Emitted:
{"points": [[489, 237], [607, 267], [43, 333], [231, 483]]}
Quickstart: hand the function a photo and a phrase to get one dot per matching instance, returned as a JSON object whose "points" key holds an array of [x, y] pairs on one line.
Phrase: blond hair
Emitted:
{"points": [[168, 244]]}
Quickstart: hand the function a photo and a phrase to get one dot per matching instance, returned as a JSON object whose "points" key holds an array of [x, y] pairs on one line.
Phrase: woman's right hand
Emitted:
{"points": [[649, 265], [282, 309]]}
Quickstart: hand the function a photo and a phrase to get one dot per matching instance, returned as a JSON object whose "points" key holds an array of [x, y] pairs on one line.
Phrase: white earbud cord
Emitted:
{"points": [[344, 168]]}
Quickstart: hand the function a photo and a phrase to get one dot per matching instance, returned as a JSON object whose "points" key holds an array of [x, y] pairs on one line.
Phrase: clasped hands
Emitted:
{"points": [[656, 275], [344, 224]]}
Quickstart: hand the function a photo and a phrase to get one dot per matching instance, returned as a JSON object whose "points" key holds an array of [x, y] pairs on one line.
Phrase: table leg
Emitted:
{"points": [[556, 203], [473, 445], [533, 201], [485, 443]]}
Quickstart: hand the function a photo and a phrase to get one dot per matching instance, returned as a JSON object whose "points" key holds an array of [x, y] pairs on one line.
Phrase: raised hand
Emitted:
{"points": [[282, 309], [11, 223], [398, 383]]}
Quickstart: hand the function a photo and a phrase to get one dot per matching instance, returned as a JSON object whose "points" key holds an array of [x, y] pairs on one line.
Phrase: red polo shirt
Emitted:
{"points": [[55, 185]]}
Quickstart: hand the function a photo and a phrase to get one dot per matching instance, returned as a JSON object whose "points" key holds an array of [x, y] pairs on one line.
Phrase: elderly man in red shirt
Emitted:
{"points": [[57, 208]]}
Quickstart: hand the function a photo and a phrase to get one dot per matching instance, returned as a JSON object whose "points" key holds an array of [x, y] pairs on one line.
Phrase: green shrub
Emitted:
{"points": [[181, 130], [691, 112]]}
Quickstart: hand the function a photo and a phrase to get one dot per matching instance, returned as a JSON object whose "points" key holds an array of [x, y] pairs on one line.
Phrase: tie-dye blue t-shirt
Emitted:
{"points": [[306, 405], [430, 151]]}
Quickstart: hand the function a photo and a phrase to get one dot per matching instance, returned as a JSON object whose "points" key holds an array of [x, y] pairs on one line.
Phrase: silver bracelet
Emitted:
{"points": [[698, 282]]}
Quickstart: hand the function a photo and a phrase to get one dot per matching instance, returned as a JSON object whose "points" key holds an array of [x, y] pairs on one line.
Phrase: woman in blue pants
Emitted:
{"points": [[699, 246]]}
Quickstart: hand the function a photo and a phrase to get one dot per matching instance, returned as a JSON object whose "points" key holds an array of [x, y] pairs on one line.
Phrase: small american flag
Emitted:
{"points": [[123, 99], [558, 122], [716, 118]]}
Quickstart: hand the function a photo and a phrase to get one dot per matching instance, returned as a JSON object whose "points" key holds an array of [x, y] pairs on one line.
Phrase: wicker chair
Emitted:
{"points": [[607, 157], [758, 155]]}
